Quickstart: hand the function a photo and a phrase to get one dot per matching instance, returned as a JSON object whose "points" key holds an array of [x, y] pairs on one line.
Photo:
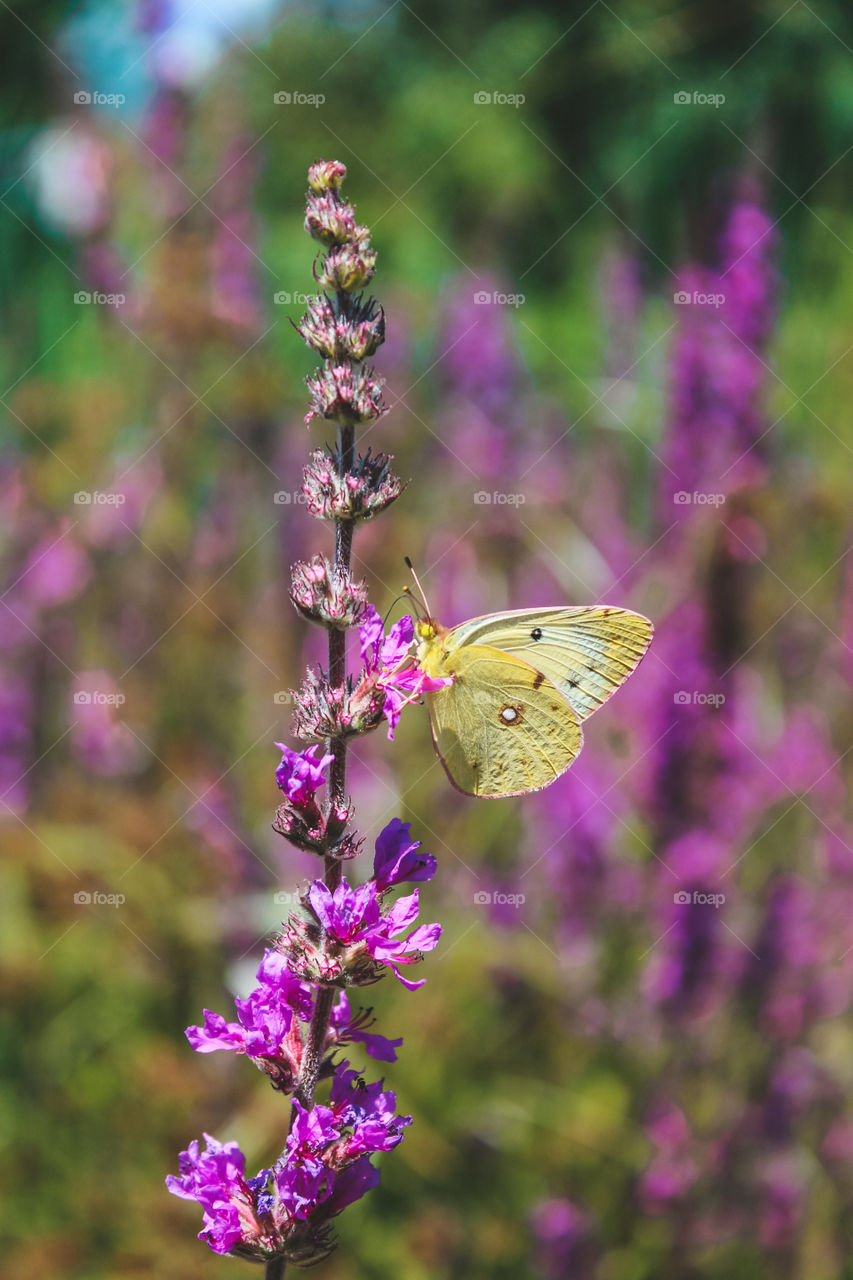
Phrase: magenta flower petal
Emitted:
{"points": [[397, 859]]}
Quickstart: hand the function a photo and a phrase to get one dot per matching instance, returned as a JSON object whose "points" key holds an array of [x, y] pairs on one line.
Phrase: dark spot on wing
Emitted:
{"points": [[536, 633], [573, 684], [511, 714], [539, 678]]}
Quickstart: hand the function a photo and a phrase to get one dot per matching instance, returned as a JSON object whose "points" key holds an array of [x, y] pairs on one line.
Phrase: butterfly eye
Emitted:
{"points": [[536, 633]]}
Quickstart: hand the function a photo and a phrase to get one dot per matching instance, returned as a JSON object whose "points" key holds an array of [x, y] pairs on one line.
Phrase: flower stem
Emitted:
{"points": [[274, 1269], [313, 1057]]}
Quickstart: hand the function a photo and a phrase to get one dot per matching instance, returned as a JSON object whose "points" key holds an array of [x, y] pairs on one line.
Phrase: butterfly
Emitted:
{"points": [[521, 684]]}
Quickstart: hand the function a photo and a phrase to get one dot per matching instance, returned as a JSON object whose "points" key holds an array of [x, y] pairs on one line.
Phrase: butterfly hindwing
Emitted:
{"points": [[501, 728], [586, 653]]}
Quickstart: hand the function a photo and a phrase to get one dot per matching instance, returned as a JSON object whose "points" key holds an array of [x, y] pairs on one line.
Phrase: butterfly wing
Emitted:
{"points": [[501, 728], [586, 653]]}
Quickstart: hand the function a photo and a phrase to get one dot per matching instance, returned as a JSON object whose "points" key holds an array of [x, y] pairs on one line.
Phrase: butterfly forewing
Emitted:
{"points": [[501, 728], [586, 653]]}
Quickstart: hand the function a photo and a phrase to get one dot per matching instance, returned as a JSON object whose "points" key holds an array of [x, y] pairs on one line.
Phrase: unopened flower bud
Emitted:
{"points": [[346, 393], [303, 826], [337, 822], [350, 267], [323, 711], [355, 332], [330, 219], [326, 597], [326, 175], [359, 494]]}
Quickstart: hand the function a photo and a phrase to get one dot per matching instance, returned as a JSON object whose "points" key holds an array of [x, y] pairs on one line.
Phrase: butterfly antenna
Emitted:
{"points": [[411, 569], [402, 596]]}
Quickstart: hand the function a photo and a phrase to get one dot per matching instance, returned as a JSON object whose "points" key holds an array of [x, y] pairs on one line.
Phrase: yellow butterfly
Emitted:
{"points": [[522, 682]]}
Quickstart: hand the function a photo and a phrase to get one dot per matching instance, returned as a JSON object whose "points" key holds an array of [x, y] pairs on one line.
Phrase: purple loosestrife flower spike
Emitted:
{"points": [[298, 1016]]}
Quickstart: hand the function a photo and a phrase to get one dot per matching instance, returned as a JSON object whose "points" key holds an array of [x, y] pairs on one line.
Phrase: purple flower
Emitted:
{"points": [[388, 660], [267, 1030], [368, 1111], [389, 949], [265, 1020], [397, 858], [353, 917], [311, 1132], [302, 1187], [347, 914], [562, 1235], [346, 1029], [274, 973], [350, 1185], [216, 1179], [300, 773]]}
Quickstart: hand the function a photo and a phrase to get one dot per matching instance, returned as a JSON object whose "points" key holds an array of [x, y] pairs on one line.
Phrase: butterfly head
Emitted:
{"points": [[427, 633]]}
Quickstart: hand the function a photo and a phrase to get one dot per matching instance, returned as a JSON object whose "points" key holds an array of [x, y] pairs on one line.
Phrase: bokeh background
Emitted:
{"points": [[644, 1067]]}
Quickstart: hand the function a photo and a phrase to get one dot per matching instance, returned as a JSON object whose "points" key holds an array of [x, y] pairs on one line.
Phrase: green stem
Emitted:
{"points": [[274, 1269]]}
